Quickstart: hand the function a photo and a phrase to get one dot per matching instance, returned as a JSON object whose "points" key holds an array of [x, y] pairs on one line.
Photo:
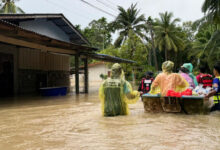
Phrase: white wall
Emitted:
{"points": [[95, 71], [45, 27]]}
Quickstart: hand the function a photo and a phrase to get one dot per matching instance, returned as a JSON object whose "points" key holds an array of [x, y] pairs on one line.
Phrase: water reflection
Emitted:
{"points": [[75, 122]]}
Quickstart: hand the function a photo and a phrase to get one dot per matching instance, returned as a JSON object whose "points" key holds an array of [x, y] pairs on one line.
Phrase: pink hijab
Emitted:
{"points": [[188, 79]]}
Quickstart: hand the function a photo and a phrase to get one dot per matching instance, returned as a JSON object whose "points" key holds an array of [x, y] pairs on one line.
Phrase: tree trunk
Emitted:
{"points": [[149, 57], [153, 47], [166, 54]]}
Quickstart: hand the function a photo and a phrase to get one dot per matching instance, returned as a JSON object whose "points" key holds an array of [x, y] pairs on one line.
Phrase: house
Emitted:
{"points": [[96, 69], [35, 51]]}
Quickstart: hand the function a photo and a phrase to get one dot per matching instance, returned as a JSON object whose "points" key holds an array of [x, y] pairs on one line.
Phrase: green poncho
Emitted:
{"points": [[115, 93], [189, 66]]}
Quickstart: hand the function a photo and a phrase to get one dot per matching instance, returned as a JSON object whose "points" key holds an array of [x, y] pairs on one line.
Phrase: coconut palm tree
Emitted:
{"points": [[212, 10], [211, 22], [168, 37], [149, 23], [9, 7], [126, 21]]}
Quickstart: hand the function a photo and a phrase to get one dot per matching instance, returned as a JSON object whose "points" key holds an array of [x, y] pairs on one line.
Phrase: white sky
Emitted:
{"points": [[80, 13]]}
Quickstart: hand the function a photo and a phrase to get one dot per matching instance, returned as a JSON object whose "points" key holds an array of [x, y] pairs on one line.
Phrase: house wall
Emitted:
{"points": [[34, 69], [10, 49], [96, 71], [37, 60], [40, 69], [45, 27], [93, 77]]}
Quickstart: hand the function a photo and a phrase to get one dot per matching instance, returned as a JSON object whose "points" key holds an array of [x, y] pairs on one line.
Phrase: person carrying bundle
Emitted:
{"points": [[116, 93]]}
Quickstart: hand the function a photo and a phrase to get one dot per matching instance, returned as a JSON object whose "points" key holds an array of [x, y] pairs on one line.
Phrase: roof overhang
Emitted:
{"points": [[12, 34], [108, 58], [58, 19]]}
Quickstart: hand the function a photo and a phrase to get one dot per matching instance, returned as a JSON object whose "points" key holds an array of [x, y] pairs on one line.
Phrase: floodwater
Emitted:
{"points": [[75, 122]]}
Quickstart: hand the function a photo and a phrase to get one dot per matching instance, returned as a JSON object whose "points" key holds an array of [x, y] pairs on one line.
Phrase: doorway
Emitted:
{"points": [[6, 75]]}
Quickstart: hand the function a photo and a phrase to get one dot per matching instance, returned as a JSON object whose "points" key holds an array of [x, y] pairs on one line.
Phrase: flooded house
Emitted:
{"points": [[98, 69], [35, 52]]}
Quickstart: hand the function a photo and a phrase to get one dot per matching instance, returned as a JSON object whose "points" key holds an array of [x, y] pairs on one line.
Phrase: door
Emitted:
{"points": [[6, 75]]}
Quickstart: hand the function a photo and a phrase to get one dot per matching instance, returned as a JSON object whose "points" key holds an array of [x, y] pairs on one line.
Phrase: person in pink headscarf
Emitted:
{"points": [[184, 72]]}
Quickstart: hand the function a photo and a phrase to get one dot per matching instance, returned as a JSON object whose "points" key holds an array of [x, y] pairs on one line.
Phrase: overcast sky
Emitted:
{"points": [[80, 13]]}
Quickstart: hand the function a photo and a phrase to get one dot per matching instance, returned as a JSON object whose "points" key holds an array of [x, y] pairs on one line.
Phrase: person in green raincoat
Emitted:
{"points": [[116, 93], [189, 66]]}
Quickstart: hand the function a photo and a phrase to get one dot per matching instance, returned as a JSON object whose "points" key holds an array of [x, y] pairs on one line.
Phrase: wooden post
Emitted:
{"points": [[86, 81], [77, 73]]}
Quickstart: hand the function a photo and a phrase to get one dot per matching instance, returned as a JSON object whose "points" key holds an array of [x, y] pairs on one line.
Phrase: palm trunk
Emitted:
{"points": [[153, 47], [149, 58], [176, 60], [166, 54]]}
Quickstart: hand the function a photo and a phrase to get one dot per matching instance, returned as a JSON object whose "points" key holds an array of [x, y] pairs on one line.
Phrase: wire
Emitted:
{"points": [[97, 8], [112, 8], [115, 5], [70, 10]]}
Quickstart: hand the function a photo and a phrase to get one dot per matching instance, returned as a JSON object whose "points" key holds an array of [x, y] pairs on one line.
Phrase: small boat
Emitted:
{"points": [[53, 91], [184, 104]]}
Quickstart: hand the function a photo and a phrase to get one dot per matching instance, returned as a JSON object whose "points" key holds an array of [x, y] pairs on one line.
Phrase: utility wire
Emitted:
{"points": [[78, 9], [112, 8], [70, 10], [98, 8], [115, 5]]}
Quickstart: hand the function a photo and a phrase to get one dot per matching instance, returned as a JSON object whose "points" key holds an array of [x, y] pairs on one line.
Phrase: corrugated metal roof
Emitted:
{"points": [[12, 27], [58, 19], [109, 58]]}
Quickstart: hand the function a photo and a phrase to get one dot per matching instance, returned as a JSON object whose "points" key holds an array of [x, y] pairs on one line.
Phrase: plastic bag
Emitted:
{"points": [[202, 91]]}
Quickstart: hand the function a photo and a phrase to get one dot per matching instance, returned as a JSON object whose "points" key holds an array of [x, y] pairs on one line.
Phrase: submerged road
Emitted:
{"points": [[75, 122]]}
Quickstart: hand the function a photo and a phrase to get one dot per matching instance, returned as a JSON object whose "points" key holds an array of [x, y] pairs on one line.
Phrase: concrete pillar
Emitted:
{"points": [[77, 73], [86, 80]]}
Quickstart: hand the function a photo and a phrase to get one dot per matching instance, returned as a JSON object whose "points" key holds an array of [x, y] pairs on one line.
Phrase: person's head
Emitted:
{"points": [[167, 66], [184, 70], [149, 74], [216, 69], [202, 69], [188, 66], [116, 71]]}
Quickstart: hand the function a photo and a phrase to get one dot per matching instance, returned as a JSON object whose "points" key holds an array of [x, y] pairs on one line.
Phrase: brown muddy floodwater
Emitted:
{"points": [[73, 123]]}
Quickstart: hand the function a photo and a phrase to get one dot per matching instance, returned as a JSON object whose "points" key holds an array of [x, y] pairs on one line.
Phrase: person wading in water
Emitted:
{"points": [[116, 93]]}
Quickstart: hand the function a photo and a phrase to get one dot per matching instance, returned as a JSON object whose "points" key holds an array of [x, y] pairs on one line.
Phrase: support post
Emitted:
{"points": [[86, 80], [77, 73]]}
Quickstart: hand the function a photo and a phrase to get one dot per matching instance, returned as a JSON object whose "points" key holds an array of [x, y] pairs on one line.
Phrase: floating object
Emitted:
{"points": [[172, 93], [53, 91], [183, 104]]}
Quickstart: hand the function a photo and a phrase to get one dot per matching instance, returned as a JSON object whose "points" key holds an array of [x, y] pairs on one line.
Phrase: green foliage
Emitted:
{"points": [[168, 37], [97, 33], [9, 7], [212, 10], [150, 42], [213, 48], [126, 21], [132, 49]]}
